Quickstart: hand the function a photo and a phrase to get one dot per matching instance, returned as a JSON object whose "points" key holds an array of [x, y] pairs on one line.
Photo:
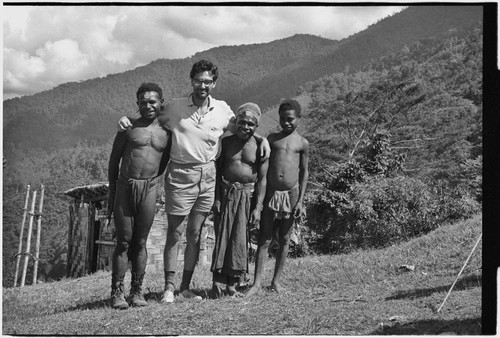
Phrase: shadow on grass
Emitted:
{"points": [[433, 327], [98, 304], [464, 283], [106, 302]]}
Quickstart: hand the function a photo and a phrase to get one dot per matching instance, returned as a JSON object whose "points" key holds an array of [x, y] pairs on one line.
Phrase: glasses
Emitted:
{"points": [[200, 82]]}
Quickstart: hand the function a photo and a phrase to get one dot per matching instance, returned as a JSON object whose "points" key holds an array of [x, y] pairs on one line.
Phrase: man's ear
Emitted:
{"points": [[214, 85]]}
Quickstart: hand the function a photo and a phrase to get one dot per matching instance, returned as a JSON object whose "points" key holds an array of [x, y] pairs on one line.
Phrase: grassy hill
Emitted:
{"points": [[363, 293]]}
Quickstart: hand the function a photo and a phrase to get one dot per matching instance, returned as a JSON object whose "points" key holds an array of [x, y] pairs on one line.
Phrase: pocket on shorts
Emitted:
{"points": [[178, 177]]}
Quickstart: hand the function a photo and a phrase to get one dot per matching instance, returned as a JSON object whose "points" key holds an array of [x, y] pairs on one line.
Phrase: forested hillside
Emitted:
{"points": [[396, 108], [263, 73], [88, 111]]}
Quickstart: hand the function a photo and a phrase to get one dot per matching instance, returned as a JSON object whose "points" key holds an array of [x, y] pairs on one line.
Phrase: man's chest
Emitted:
{"points": [[156, 137], [197, 125]]}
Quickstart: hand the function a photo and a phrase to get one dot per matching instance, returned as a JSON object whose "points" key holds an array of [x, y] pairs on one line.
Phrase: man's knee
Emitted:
{"points": [[193, 234], [141, 243], [122, 246], [174, 231], [194, 225]]}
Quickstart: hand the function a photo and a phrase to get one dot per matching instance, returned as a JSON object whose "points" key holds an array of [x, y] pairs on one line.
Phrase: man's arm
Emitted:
{"points": [[260, 192], [218, 183], [114, 168], [166, 155], [303, 178], [264, 147], [125, 122]]}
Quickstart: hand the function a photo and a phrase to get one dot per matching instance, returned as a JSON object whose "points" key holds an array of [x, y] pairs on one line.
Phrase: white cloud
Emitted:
{"points": [[19, 69], [63, 58], [48, 45]]}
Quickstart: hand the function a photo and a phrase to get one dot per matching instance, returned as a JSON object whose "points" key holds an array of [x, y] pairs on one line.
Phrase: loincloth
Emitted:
{"points": [[138, 189], [230, 255], [281, 203]]}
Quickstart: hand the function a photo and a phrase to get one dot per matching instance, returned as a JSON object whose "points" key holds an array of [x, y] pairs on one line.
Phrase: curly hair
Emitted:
{"points": [[290, 104], [149, 87], [204, 66]]}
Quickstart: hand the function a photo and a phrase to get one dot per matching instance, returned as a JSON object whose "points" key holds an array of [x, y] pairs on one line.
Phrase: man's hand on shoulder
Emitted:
{"points": [[265, 149], [124, 123]]}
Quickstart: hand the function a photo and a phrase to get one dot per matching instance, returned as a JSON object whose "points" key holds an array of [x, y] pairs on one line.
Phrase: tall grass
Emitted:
{"points": [[362, 293]]}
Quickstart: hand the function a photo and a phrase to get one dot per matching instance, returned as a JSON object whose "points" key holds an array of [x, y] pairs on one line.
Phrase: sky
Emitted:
{"points": [[44, 46]]}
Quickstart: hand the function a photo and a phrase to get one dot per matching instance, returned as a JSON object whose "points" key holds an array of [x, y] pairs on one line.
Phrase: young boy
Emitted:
{"points": [[143, 151], [239, 194], [286, 185]]}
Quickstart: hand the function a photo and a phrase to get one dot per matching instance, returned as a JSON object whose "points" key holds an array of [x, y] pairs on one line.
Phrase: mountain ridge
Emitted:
{"points": [[264, 73]]}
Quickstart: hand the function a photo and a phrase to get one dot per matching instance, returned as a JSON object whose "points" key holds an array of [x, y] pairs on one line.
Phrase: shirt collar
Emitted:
{"points": [[191, 103]]}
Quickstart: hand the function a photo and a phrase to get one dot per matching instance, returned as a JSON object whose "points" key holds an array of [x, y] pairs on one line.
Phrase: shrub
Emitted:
{"points": [[377, 212]]}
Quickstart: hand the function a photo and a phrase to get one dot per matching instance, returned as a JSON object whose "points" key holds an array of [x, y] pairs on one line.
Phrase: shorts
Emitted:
{"points": [[189, 187]]}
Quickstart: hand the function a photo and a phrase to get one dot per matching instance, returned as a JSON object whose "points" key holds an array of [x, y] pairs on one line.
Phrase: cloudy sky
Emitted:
{"points": [[44, 46]]}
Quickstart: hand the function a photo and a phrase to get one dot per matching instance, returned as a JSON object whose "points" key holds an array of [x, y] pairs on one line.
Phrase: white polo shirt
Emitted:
{"points": [[195, 136]]}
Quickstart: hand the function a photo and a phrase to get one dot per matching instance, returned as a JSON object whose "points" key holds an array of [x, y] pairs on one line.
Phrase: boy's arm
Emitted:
{"points": [[260, 192], [303, 178], [166, 155], [114, 168]]}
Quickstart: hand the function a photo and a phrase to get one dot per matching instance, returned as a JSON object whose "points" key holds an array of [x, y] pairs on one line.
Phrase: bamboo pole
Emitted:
{"points": [[28, 241], [463, 267], [20, 246], [38, 233]]}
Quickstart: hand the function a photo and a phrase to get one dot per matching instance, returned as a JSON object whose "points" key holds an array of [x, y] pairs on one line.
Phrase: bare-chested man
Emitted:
{"points": [[239, 194], [286, 185], [144, 152]]}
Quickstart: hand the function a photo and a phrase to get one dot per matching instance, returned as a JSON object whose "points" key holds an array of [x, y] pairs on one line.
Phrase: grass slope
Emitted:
{"points": [[362, 293]]}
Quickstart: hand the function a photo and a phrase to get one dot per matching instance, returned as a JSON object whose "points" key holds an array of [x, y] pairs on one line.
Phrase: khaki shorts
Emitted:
{"points": [[189, 187]]}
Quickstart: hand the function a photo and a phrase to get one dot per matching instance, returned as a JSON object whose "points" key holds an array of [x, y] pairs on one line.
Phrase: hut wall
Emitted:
{"points": [[77, 262], [105, 241], [85, 219], [156, 241], [157, 237]]}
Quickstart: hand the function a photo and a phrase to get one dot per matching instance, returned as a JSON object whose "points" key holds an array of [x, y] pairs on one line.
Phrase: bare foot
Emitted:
{"points": [[276, 287], [235, 294], [253, 291], [230, 290], [216, 291]]}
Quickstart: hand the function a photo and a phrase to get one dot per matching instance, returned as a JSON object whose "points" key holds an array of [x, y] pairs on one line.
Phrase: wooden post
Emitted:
{"points": [[461, 270], [38, 232], [28, 241], [20, 247], [69, 259]]}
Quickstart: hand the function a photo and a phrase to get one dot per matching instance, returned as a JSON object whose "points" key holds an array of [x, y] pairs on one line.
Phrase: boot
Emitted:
{"points": [[117, 297], [136, 295]]}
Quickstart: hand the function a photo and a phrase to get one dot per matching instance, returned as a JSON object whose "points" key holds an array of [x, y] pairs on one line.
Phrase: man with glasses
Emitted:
{"points": [[197, 124]]}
